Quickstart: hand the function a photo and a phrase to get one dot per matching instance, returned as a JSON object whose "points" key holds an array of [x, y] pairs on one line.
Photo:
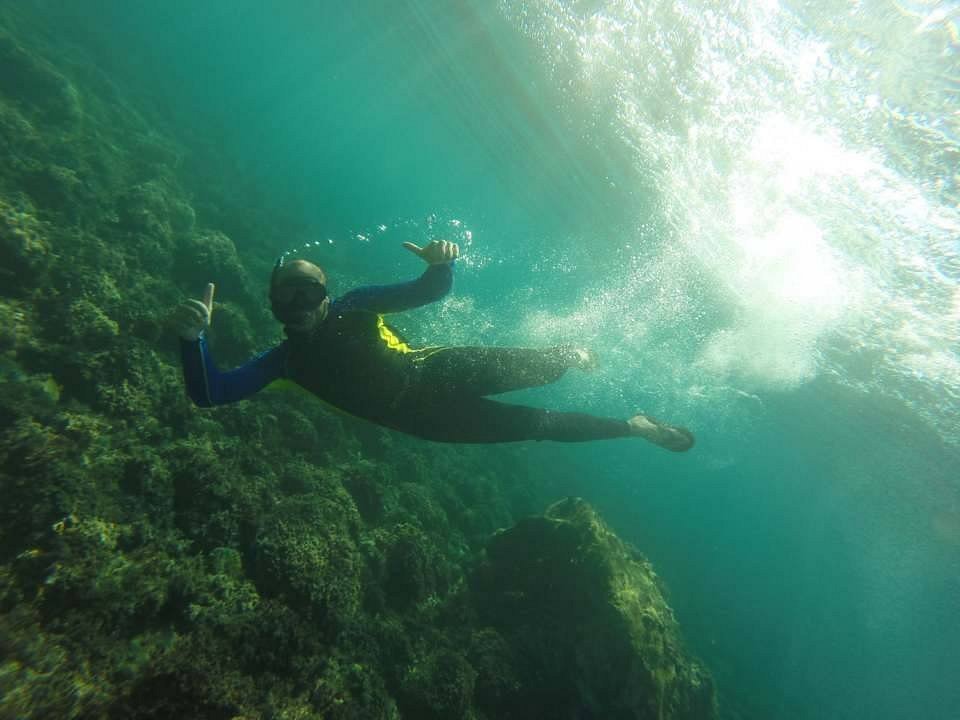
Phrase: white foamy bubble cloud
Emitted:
{"points": [[807, 169]]}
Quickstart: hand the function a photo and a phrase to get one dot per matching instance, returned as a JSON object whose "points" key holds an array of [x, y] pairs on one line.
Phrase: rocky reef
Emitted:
{"points": [[264, 560], [585, 612]]}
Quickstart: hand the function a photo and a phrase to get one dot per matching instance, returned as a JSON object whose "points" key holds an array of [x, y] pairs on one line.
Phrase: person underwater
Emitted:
{"points": [[344, 352]]}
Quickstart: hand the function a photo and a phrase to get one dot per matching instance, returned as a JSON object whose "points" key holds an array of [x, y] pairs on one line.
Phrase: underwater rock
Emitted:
{"points": [[39, 676], [211, 256], [418, 505], [587, 615], [89, 325], [24, 249], [57, 188], [366, 482], [351, 691], [439, 687], [19, 140], [306, 552], [182, 216], [493, 659], [145, 208], [153, 155], [14, 327], [34, 84], [297, 430], [148, 213], [408, 567]]}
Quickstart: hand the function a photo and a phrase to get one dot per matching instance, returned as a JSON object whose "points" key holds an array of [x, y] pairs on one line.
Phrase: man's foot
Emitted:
{"points": [[671, 437]]}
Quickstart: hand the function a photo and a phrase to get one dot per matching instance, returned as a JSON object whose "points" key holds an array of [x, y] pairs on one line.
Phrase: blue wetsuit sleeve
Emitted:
{"points": [[207, 386], [435, 282]]}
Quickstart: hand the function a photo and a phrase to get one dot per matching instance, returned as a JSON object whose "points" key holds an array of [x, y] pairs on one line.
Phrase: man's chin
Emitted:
{"points": [[304, 322], [299, 324]]}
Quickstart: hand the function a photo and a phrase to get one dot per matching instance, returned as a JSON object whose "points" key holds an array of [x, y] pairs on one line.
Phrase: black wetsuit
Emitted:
{"points": [[357, 363]]}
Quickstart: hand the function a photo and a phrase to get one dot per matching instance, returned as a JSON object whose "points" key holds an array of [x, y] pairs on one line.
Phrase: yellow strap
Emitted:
{"points": [[394, 342], [390, 337]]}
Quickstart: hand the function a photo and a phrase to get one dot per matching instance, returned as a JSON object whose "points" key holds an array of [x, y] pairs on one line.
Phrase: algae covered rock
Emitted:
{"points": [[89, 325], [32, 82], [408, 567], [306, 551], [24, 248], [211, 256], [586, 613], [440, 686]]}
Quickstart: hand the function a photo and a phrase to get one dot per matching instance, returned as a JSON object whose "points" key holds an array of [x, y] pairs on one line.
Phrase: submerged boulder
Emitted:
{"points": [[585, 613], [306, 552]]}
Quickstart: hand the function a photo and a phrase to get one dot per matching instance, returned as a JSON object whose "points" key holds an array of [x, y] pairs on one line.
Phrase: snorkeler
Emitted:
{"points": [[344, 352]]}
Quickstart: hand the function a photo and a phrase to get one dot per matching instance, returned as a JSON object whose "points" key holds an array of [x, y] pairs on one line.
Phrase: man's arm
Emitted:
{"points": [[207, 386], [429, 287], [435, 282]]}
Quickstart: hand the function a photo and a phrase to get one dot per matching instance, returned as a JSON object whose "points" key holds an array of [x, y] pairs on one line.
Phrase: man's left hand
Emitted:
{"points": [[436, 252]]}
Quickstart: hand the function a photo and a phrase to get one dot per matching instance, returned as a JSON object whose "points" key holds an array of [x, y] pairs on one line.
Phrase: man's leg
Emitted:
{"points": [[481, 371], [479, 420], [464, 419]]}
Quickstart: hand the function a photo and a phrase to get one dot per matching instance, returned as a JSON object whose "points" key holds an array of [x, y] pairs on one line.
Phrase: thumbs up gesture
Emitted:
{"points": [[436, 252], [192, 317]]}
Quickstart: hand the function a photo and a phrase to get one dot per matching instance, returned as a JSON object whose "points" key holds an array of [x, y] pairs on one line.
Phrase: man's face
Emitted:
{"points": [[298, 296]]}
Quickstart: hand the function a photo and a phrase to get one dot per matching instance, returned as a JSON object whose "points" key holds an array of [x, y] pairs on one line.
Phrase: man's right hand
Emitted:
{"points": [[436, 252], [192, 317]]}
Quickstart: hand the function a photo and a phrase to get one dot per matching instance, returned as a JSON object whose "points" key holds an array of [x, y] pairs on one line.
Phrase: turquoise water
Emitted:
{"points": [[749, 210]]}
